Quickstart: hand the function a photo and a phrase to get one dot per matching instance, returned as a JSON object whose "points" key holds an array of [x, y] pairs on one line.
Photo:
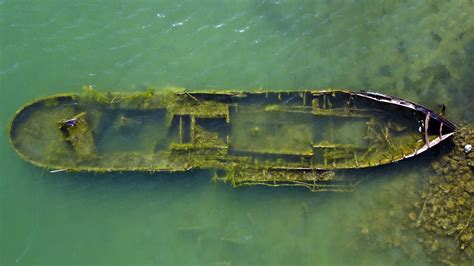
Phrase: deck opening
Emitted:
{"points": [[135, 131]]}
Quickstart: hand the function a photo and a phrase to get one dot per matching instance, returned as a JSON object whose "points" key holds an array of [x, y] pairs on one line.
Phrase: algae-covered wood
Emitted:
{"points": [[273, 138]]}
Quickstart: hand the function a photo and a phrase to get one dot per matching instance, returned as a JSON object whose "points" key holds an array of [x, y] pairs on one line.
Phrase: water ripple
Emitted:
{"points": [[129, 61], [9, 69]]}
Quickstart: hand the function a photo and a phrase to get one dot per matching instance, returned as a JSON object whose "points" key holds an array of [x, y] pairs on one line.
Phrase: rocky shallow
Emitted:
{"points": [[443, 212], [427, 217]]}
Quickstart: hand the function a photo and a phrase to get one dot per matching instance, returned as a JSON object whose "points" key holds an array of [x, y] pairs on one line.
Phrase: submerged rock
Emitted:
{"points": [[470, 187]]}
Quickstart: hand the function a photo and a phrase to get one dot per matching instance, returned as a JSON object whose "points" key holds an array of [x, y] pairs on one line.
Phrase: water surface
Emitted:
{"points": [[420, 50]]}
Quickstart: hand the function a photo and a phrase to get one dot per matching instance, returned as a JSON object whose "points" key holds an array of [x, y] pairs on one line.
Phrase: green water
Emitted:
{"points": [[420, 50]]}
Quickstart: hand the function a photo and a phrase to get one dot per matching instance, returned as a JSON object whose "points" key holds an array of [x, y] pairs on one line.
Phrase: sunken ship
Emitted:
{"points": [[273, 138]]}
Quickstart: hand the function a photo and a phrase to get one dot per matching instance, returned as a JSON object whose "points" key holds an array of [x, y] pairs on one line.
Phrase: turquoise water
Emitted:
{"points": [[420, 50]]}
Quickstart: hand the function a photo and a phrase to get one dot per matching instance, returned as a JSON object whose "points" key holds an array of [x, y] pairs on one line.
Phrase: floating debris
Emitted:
{"points": [[467, 148]]}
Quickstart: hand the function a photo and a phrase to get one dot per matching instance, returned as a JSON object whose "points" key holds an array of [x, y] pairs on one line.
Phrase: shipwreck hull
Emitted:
{"points": [[271, 138]]}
